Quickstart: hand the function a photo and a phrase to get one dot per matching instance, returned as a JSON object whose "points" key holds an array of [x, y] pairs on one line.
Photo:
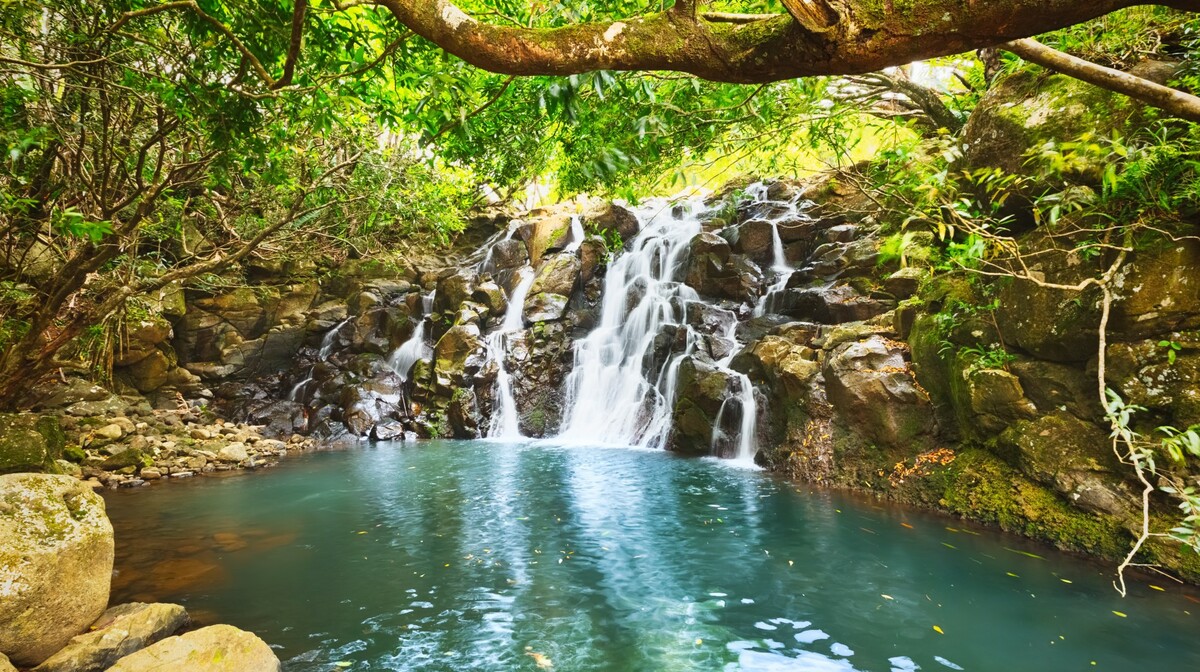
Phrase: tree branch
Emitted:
{"points": [[289, 65], [829, 37], [1172, 101]]}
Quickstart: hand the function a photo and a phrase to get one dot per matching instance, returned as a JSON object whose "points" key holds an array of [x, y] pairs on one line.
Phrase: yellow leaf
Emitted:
{"points": [[542, 661], [886, 597], [1155, 587], [938, 630], [1121, 614]]}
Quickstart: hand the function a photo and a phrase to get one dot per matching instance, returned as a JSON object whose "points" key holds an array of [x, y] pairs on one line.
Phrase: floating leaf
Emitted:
{"points": [[542, 661], [906, 525], [1156, 587], [1066, 580], [343, 663], [949, 546], [1024, 553], [938, 630], [1120, 613], [886, 597], [1013, 575]]}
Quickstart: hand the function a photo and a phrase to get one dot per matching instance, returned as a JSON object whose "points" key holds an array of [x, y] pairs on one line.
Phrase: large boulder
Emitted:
{"points": [[610, 217], [56, 560], [1027, 110], [1071, 456], [217, 648], [119, 632], [557, 275], [876, 395], [29, 442]]}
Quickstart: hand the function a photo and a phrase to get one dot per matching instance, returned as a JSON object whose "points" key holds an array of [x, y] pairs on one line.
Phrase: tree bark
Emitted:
{"points": [[827, 37], [1172, 101]]}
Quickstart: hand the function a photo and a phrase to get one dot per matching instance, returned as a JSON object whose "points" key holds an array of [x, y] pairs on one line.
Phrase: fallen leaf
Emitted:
{"points": [[1121, 614], [886, 597], [938, 630], [906, 525]]}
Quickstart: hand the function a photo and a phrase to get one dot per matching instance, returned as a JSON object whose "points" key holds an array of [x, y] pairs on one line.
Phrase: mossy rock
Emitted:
{"points": [[1029, 109], [980, 486], [30, 442]]}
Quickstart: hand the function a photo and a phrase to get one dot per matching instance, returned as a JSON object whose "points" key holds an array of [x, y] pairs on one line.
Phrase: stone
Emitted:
{"points": [[452, 290], [121, 631], [56, 560], [491, 296], [29, 442], [754, 238], [126, 459], [233, 453], [5, 664], [874, 392], [150, 474], [109, 432], [994, 399], [611, 217], [904, 282], [557, 275], [1071, 456], [545, 307], [217, 648]]}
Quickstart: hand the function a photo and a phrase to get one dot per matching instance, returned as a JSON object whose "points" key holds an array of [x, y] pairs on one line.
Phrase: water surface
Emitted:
{"points": [[488, 556]]}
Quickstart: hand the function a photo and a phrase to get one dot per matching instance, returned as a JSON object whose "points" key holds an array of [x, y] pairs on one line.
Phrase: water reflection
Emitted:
{"points": [[486, 556]]}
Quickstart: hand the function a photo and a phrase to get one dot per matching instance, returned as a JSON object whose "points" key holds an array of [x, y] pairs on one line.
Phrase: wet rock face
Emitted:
{"points": [[56, 559], [703, 389], [876, 395]]}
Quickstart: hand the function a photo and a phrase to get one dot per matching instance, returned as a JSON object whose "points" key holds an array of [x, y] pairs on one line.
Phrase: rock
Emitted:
{"points": [[593, 254], [491, 296], [233, 453], [989, 400], [1026, 110], [1071, 456], [904, 282], [545, 307], [872, 388], [452, 290], [60, 395], [217, 648], [29, 442], [56, 560], [832, 304], [508, 254], [455, 351], [126, 459], [150, 474], [109, 432], [121, 631], [703, 392], [109, 406], [557, 275], [67, 468], [754, 238], [786, 367], [5, 665], [612, 217]]}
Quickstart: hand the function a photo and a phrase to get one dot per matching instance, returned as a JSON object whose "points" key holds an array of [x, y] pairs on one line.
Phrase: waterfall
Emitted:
{"points": [[610, 397], [410, 351], [505, 419], [326, 349], [577, 234], [779, 264]]}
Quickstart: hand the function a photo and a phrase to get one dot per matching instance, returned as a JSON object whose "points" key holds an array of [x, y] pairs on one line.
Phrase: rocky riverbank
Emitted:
{"points": [[56, 562]]}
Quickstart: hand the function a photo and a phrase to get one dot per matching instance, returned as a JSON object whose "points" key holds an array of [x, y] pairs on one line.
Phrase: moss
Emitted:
{"points": [[979, 486]]}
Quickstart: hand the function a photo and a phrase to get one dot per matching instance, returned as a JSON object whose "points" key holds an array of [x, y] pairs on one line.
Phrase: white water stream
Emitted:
{"points": [[505, 419], [327, 343], [617, 393]]}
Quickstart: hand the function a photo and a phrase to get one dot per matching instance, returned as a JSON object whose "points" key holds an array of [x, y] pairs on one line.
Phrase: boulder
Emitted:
{"points": [[508, 254], [754, 238], [545, 307], [150, 372], [121, 631], [29, 442], [233, 453], [557, 275], [5, 664], [1071, 456], [217, 648], [606, 217], [452, 290], [56, 560], [872, 389]]}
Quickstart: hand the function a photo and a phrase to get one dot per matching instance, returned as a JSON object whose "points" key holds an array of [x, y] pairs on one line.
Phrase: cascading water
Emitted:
{"points": [[779, 264], [611, 398], [505, 420], [326, 349], [415, 348]]}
